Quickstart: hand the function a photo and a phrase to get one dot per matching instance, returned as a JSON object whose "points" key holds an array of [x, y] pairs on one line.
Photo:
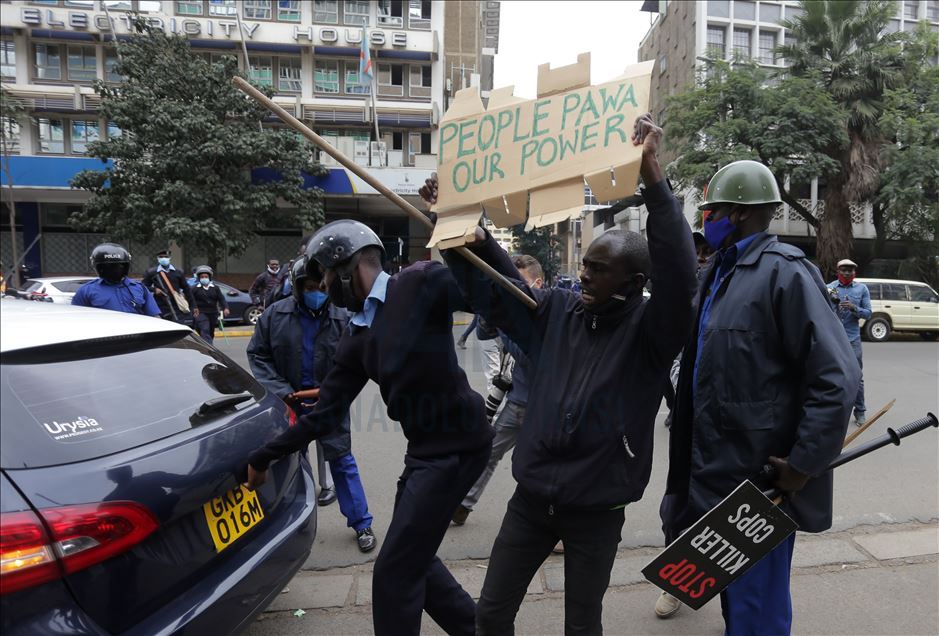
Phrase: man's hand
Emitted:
{"points": [[255, 478], [292, 400], [789, 479], [195, 313], [847, 304], [225, 313], [428, 191], [158, 292], [648, 135]]}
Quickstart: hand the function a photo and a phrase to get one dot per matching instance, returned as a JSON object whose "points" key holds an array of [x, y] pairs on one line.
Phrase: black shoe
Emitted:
{"points": [[326, 497], [366, 540], [459, 517]]}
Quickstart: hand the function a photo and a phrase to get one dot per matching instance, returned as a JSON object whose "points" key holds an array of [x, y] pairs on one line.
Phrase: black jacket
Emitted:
{"points": [[153, 281], [776, 376], [595, 380], [262, 287], [209, 300]]}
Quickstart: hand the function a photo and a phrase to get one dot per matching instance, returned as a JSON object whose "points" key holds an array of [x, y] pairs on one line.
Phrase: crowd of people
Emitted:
{"points": [[759, 360]]}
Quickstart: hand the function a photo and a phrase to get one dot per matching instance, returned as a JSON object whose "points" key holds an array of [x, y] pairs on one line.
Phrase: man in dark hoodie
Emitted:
{"points": [[584, 453], [401, 337]]}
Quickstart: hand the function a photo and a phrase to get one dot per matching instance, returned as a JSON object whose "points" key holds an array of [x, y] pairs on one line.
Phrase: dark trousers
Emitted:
{"points": [[408, 577], [470, 329], [205, 325], [529, 530]]}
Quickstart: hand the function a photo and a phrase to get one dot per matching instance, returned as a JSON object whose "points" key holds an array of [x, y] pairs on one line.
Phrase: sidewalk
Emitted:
{"points": [[869, 580]]}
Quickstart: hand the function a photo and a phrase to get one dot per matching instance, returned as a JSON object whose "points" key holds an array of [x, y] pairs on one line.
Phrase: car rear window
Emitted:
{"points": [[68, 286], [894, 291], [31, 286], [71, 404]]}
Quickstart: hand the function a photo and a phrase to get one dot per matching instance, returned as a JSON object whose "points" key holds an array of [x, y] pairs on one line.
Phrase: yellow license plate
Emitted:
{"points": [[232, 515]]}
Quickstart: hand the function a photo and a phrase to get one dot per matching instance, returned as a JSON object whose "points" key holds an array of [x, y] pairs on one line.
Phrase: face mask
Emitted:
{"points": [[716, 232], [273, 270], [165, 262], [205, 281], [314, 299], [845, 280]]}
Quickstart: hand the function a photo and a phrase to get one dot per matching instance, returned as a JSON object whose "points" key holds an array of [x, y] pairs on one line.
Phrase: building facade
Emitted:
{"points": [[306, 50]]}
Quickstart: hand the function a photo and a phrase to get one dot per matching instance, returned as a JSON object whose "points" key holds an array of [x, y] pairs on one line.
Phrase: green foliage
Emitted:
{"points": [[182, 165], [541, 244]]}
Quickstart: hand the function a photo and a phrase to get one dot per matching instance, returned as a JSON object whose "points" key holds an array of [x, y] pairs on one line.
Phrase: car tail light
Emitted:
{"points": [[81, 536]]}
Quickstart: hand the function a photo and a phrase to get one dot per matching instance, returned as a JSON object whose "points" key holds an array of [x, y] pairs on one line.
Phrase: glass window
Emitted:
{"points": [[932, 10], [288, 10], [51, 135], [715, 44], [326, 11], [894, 291], [742, 42], [8, 59], [893, 26], [911, 9], [48, 62], [719, 8], [82, 63], [82, 4], [261, 70], [223, 8], [767, 43], [110, 61], [420, 81], [289, 74], [355, 84], [770, 13], [192, 7], [923, 294], [326, 76], [391, 12], [114, 130], [257, 9], [419, 14], [119, 5], [355, 12], [10, 130], [744, 10], [793, 12], [83, 132], [149, 6], [874, 289], [425, 144]]}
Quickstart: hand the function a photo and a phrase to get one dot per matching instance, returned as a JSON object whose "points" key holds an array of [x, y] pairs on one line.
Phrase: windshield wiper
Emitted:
{"points": [[218, 404]]}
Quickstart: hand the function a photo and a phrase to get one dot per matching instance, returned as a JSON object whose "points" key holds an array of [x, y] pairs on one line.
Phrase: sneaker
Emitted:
{"points": [[559, 548], [860, 418], [326, 497], [366, 540], [667, 605], [459, 517], [461, 344]]}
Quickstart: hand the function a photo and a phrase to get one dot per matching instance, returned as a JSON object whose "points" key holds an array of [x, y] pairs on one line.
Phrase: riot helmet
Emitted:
{"points": [[111, 262], [338, 246]]}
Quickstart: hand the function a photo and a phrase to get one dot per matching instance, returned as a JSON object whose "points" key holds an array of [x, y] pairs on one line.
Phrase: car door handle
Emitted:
{"points": [[915, 307], [886, 306]]}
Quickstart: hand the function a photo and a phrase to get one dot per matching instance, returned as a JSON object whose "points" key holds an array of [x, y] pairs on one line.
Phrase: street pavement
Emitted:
{"points": [[889, 492]]}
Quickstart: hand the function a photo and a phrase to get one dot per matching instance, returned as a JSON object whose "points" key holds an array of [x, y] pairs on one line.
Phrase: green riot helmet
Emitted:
{"points": [[743, 182]]}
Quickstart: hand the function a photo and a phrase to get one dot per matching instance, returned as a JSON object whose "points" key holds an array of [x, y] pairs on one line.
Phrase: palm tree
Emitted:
{"points": [[843, 42]]}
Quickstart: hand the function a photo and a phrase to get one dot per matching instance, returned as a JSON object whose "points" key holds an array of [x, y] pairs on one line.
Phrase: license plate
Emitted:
{"points": [[232, 515]]}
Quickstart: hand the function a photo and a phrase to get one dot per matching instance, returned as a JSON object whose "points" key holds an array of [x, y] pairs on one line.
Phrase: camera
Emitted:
{"points": [[500, 386], [834, 297]]}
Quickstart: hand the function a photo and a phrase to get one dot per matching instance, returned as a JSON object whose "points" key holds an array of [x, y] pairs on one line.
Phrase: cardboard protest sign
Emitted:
{"points": [[527, 159], [720, 546]]}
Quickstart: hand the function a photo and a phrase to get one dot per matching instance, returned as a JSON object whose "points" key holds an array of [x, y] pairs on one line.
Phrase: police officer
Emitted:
{"points": [[400, 337], [112, 289], [167, 284], [209, 300]]}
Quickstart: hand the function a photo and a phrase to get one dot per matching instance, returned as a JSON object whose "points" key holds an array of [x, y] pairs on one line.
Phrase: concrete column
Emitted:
{"points": [[28, 216]]}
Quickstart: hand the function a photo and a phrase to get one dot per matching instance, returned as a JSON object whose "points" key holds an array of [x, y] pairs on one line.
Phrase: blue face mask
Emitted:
{"points": [[205, 281], [165, 262], [715, 232], [314, 299]]}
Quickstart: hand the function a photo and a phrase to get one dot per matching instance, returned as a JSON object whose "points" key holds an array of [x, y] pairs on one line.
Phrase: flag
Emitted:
{"points": [[365, 60]]}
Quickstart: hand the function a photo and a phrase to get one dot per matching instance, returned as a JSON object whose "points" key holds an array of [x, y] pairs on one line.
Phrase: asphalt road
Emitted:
{"points": [[891, 485]]}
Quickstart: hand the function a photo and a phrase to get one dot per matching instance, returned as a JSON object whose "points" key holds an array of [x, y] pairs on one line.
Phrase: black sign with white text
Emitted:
{"points": [[720, 546]]}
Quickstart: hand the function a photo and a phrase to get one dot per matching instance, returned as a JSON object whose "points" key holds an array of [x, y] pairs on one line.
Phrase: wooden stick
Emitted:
{"points": [[363, 174], [850, 438]]}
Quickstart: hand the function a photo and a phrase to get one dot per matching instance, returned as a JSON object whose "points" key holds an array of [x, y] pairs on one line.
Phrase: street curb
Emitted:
{"points": [[234, 333]]}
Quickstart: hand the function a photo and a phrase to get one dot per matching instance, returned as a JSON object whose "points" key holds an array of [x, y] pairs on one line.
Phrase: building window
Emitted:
{"points": [[419, 14], [289, 74], [744, 10], [663, 64], [48, 62], [288, 10], [81, 4], [10, 130], [719, 8], [742, 43], [397, 140], [355, 84], [223, 8], [118, 5], [192, 7], [8, 60], [793, 13], [391, 80], [355, 12], [261, 70], [83, 133], [82, 63], [893, 26], [110, 61], [114, 130], [911, 9], [390, 13], [420, 81], [51, 136], [326, 11], [715, 44], [256, 10], [767, 44], [326, 77], [770, 13], [144, 6], [932, 10]]}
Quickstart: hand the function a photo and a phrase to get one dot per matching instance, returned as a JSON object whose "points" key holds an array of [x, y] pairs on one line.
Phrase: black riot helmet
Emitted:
{"points": [[338, 246], [111, 262]]}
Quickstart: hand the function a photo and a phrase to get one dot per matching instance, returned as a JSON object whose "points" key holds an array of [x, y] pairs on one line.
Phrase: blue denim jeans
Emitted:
{"points": [[859, 406]]}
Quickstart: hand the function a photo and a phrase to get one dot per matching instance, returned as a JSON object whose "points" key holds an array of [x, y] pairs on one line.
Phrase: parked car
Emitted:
{"points": [[123, 442], [59, 289], [241, 309], [901, 305]]}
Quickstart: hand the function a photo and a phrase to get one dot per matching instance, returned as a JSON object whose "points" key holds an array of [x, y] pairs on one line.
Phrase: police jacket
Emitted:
{"points": [[209, 299], [275, 355], [595, 379], [153, 281], [776, 376]]}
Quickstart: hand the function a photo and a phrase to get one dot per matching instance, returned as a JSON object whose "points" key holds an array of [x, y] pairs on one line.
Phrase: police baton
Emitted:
{"points": [[363, 174], [890, 437]]}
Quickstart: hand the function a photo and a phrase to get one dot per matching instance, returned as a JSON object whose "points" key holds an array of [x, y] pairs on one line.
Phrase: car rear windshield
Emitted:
{"points": [[78, 402], [31, 286]]}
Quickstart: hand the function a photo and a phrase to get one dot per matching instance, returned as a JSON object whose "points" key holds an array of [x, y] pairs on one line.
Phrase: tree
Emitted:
{"points": [[541, 244], [183, 158], [11, 114]]}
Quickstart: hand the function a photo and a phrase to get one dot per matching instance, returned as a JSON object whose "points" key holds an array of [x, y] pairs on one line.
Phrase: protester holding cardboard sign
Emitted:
{"points": [[768, 375], [585, 452]]}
